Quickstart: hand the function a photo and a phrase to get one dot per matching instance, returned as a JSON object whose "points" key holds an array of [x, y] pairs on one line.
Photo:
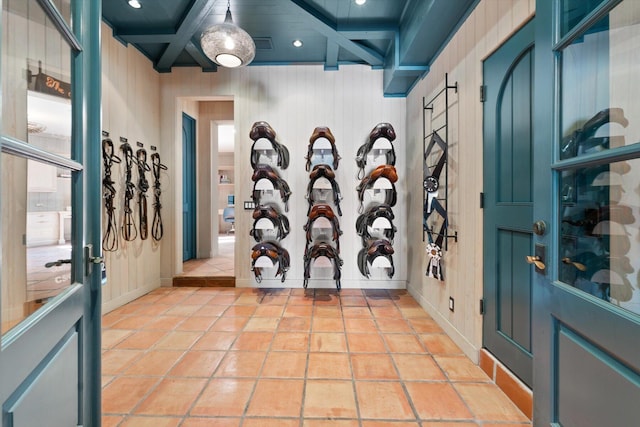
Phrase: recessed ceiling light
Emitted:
{"points": [[360, 2], [136, 4], [297, 43]]}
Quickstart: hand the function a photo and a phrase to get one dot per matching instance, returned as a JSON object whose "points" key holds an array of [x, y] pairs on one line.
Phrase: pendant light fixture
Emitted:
{"points": [[227, 44]]}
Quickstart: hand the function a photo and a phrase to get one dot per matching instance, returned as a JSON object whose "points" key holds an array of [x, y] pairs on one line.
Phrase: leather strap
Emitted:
{"points": [[143, 186], [367, 219], [110, 239], [157, 229], [318, 250], [129, 230]]}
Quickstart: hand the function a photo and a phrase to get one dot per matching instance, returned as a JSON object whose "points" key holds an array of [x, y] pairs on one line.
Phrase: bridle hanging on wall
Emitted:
{"points": [[110, 239], [157, 229], [143, 187], [129, 231]]}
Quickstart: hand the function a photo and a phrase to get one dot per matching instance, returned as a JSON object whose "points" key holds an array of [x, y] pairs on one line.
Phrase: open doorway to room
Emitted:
{"points": [[216, 228], [226, 194]]}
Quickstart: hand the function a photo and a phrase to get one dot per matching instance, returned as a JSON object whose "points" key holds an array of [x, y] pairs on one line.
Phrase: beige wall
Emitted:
{"points": [[489, 25], [294, 100], [130, 109]]}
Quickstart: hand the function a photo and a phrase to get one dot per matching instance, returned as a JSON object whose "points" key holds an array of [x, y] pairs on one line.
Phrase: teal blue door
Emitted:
{"points": [[50, 197], [188, 187], [508, 202], [587, 161]]}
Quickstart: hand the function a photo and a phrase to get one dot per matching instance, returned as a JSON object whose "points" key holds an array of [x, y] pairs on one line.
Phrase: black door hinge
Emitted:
{"points": [[481, 200], [483, 91], [482, 306]]}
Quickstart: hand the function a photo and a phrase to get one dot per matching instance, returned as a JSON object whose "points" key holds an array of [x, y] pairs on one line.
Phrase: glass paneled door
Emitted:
{"points": [[50, 213], [587, 304]]}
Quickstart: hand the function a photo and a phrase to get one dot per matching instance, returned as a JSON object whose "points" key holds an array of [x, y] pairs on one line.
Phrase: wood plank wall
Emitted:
{"points": [[294, 100], [130, 109], [489, 25]]}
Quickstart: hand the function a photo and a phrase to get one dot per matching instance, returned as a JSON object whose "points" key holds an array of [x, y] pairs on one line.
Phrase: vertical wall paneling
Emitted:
{"points": [[294, 100], [131, 109], [490, 24]]}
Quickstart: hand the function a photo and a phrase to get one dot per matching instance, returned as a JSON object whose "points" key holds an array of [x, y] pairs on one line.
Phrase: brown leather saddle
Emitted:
{"points": [[381, 130], [280, 222], [263, 129], [267, 172], [323, 171], [323, 210], [386, 171], [326, 250], [371, 251], [367, 219], [275, 253], [322, 132]]}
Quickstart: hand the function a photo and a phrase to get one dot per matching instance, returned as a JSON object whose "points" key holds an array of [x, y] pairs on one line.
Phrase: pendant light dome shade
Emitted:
{"points": [[227, 44]]}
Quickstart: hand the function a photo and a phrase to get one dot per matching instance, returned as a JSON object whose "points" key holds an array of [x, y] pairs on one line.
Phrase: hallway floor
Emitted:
{"points": [[221, 265], [194, 357]]}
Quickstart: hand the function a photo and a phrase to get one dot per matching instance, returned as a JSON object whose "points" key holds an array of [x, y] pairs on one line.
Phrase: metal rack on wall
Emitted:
{"points": [[442, 184]]}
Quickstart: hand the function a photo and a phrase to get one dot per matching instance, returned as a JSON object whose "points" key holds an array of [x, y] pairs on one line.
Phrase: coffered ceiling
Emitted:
{"points": [[400, 36]]}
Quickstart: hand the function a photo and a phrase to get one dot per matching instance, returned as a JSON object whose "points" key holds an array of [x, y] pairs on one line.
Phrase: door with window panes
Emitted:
{"points": [[50, 274], [587, 301]]}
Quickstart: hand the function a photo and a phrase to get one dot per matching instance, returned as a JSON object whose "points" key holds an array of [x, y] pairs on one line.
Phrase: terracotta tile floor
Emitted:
{"points": [[288, 357], [221, 265]]}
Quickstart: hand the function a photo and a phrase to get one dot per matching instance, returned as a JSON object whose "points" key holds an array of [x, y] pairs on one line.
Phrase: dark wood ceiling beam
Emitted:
{"points": [[192, 20], [321, 24]]}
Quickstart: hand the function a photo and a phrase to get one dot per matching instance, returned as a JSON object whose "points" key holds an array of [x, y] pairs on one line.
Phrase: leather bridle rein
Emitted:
{"points": [[157, 229], [110, 239], [129, 231], [143, 187]]}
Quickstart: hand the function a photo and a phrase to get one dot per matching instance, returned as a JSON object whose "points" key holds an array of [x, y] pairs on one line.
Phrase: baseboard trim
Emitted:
{"points": [[516, 390], [126, 298], [461, 341]]}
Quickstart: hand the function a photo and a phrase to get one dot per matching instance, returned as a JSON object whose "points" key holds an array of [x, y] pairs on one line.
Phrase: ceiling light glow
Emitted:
{"points": [[135, 4], [227, 44], [297, 43], [360, 2]]}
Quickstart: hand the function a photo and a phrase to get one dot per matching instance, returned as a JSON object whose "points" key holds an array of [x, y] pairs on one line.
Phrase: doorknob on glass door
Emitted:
{"points": [[577, 265], [532, 259]]}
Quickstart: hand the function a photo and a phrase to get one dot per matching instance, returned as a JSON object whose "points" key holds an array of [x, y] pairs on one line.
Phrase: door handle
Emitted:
{"points": [[57, 263], [579, 266], [534, 259]]}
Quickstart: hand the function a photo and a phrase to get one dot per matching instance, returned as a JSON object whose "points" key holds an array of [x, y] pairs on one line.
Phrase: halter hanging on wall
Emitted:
{"points": [[110, 239]]}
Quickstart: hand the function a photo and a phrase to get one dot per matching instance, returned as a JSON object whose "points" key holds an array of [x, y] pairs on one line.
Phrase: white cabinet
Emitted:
{"points": [[42, 228], [41, 178], [46, 228]]}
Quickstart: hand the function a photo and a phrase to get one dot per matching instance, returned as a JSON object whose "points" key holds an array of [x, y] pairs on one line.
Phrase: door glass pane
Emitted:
{"points": [[573, 11], [36, 196], [599, 88], [36, 233], [36, 76], [599, 248]]}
